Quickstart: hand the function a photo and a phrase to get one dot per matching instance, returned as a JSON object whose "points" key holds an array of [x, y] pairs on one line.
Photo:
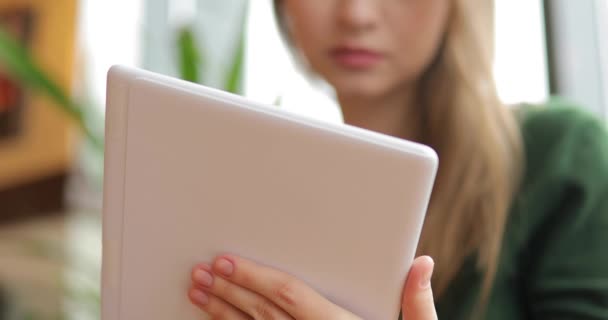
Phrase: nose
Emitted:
{"points": [[357, 15]]}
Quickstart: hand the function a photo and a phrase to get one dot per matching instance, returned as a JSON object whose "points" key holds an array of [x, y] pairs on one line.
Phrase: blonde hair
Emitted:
{"points": [[478, 142]]}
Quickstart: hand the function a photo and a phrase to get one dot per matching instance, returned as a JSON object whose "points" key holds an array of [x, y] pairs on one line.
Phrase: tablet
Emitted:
{"points": [[192, 172]]}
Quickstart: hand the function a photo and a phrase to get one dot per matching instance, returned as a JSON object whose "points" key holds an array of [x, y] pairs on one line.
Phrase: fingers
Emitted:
{"points": [[288, 293], [418, 303], [243, 299], [214, 306]]}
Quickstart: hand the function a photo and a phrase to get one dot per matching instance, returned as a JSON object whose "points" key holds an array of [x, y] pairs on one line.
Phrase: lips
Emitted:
{"points": [[356, 57]]}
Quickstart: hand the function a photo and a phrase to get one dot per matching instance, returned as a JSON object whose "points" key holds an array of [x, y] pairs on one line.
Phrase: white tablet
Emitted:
{"points": [[192, 172]]}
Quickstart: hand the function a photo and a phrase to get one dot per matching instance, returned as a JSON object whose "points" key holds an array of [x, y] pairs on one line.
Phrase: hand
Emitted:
{"points": [[236, 288]]}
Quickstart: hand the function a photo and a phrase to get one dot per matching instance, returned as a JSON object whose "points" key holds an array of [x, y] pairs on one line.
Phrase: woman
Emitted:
{"points": [[519, 213]]}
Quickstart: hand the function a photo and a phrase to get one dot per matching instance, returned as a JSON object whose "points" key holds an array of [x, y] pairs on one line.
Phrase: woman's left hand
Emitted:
{"points": [[237, 288]]}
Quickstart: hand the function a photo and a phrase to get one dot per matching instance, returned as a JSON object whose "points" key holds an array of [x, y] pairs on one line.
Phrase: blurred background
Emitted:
{"points": [[54, 56]]}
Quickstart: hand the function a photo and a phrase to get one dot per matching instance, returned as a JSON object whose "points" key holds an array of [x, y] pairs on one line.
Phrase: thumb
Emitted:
{"points": [[418, 303]]}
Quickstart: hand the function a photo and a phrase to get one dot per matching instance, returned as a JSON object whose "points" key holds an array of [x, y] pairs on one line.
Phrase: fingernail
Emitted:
{"points": [[425, 282], [199, 297], [224, 266], [203, 278]]}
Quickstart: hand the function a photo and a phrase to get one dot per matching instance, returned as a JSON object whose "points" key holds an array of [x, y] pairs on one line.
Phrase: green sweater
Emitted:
{"points": [[554, 262]]}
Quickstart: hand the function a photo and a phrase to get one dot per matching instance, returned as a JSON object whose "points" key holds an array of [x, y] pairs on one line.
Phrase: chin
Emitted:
{"points": [[365, 89], [364, 84]]}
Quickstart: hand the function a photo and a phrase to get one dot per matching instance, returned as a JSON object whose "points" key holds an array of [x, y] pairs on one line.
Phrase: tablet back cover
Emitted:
{"points": [[191, 174]]}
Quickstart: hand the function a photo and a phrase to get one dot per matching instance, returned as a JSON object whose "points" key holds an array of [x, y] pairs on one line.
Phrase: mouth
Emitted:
{"points": [[356, 58]]}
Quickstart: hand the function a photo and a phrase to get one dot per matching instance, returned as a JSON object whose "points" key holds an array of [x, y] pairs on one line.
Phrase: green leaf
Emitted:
{"points": [[233, 83], [235, 75], [278, 101], [19, 63], [190, 59], [31, 316]]}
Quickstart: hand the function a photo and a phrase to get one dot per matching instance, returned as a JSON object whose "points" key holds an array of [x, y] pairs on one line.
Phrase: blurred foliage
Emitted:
{"points": [[23, 68], [234, 82], [20, 65], [191, 58], [80, 286]]}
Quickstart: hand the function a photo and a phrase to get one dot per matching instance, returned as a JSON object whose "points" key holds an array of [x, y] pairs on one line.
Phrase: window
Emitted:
{"points": [[577, 42]]}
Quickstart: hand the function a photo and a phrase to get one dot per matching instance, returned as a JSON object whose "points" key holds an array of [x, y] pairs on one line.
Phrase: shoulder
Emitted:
{"points": [[562, 141], [565, 173], [558, 121], [560, 220]]}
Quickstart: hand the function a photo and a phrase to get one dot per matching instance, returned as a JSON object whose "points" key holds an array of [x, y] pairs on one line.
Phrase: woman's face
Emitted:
{"points": [[367, 48]]}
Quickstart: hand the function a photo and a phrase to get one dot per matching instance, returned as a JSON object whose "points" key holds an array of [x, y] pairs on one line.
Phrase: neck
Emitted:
{"points": [[393, 114]]}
